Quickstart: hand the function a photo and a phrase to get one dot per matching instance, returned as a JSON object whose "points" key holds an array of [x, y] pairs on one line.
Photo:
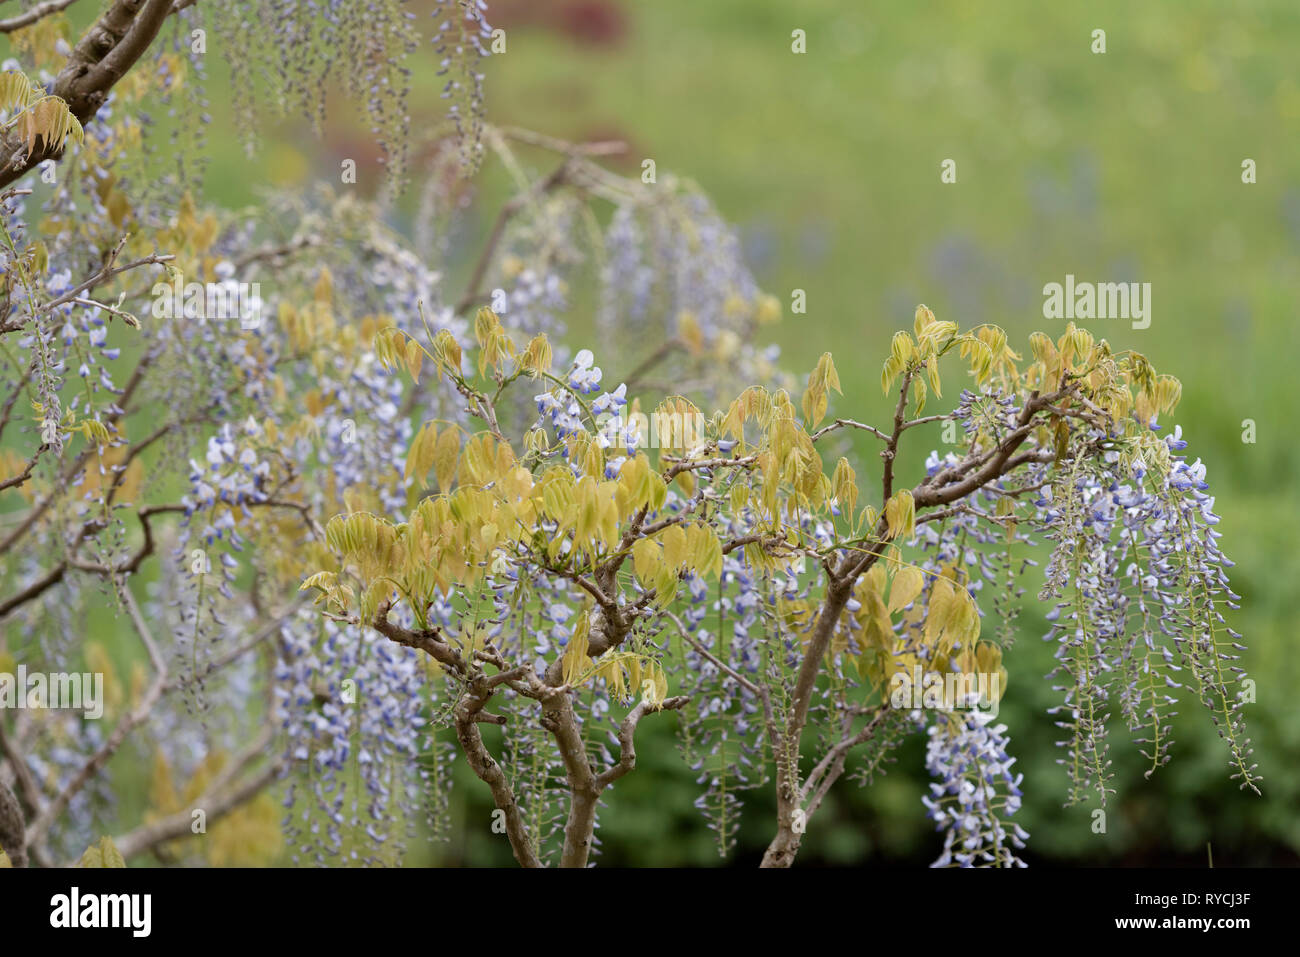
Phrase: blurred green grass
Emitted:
{"points": [[1123, 166]]}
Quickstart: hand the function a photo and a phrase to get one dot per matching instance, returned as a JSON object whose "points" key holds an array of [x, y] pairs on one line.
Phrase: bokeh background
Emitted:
{"points": [[1122, 166]]}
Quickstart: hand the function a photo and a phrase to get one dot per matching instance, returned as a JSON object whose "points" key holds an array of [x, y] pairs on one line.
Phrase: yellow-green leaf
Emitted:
{"points": [[904, 589], [103, 854]]}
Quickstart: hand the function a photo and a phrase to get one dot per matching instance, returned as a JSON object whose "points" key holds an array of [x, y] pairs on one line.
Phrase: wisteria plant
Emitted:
{"points": [[497, 536]]}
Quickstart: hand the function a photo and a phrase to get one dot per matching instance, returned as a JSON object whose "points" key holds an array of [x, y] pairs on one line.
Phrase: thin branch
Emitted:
{"points": [[34, 590], [926, 420], [214, 804], [891, 451], [556, 145], [831, 767], [627, 732], [276, 253], [38, 12], [106, 272], [238, 651], [508, 211], [667, 348], [757, 690], [22, 477], [849, 424]]}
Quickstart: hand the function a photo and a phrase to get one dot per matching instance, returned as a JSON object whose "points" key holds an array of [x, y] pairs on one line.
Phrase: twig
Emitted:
{"points": [[40, 11]]}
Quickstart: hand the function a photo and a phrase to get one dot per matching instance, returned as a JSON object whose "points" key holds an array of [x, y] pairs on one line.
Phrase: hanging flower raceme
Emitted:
{"points": [[974, 791]]}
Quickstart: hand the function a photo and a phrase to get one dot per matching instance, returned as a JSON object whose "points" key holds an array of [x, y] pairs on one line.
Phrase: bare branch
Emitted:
{"points": [[508, 211], [215, 806], [38, 12], [626, 733], [831, 767], [759, 691], [849, 424]]}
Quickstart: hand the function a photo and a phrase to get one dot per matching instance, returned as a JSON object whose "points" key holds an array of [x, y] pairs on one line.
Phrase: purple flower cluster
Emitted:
{"points": [[346, 707], [974, 789], [1140, 584]]}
